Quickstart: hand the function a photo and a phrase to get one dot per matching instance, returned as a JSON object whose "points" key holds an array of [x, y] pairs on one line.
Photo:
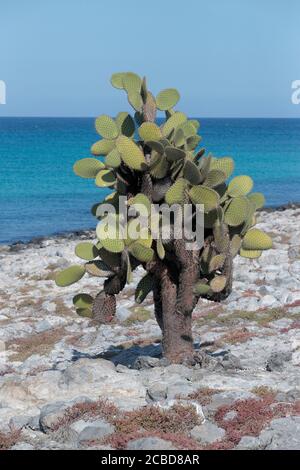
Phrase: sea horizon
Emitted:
{"points": [[40, 196]]}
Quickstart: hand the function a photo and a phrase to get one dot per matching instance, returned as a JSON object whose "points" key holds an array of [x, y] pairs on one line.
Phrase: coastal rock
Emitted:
{"points": [[207, 433], [150, 443]]}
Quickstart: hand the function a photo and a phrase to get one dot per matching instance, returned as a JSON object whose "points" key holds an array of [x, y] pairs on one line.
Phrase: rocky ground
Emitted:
{"points": [[65, 383]]}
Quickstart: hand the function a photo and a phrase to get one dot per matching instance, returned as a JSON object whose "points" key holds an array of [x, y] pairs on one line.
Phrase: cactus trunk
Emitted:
{"points": [[177, 338]]}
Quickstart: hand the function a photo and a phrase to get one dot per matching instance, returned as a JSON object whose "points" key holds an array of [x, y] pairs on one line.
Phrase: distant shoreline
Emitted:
{"points": [[87, 232]]}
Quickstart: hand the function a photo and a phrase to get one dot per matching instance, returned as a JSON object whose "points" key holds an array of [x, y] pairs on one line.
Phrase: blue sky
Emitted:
{"points": [[228, 58]]}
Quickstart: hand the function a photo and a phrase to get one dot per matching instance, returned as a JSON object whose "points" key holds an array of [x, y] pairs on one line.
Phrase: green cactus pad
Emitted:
{"points": [[202, 289], [191, 172], [144, 288], [255, 239], [156, 145], [218, 283], [84, 312], [105, 178], [113, 159], [102, 147], [83, 301], [132, 83], [106, 127], [125, 124], [98, 269], [195, 123], [225, 164], [86, 250], [149, 131], [135, 100], [131, 154], [160, 249], [111, 235], [258, 199], [140, 252], [251, 254], [174, 121], [69, 276], [142, 199], [206, 196], [192, 142], [159, 166], [173, 154], [235, 245], [167, 99], [214, 178], [237, 211], [240, 186], [179, 138], [188, 128], [216, 262], [117, 80], [88, 167], [176, 193]]}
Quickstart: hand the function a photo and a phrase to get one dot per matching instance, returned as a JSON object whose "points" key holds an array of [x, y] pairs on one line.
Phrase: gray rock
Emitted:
{"points": [[123, 314], [230, 415], [50, 415], [230, 361], [19, 422], [277, 360], [268, 301], [91, 430], [157, 391], [150, 443], [281, 434], [207, 433], [248, 443], [146, 362], [22, 446]]}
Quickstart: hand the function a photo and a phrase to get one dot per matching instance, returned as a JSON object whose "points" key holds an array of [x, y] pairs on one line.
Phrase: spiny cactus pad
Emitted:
{"points": [[255, 239], [105, 178], [102, 147], [87, 251], [106, 127], [150, 131], [206, 196], [131, 154], [88, 167], [69, 276], [240, 186], [144, 288], [167, 99], [125, 124]]}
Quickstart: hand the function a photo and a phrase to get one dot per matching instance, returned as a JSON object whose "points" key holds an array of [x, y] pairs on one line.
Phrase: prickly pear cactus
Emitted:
{"points": [[151, 163]]}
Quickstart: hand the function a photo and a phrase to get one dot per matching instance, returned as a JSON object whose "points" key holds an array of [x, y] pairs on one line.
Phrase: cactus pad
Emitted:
{"points": [[218, 283], [105, 178], [255, 239], [167, 99], [88, 167], [174, 121], [86, 251], [106, 127], [150, 131], [258, 199], [125, 124], [131, 154], [206, 196], [83, 301], [143, 288], [225, 164], [69, 276], [176, 193], [240, 186], [237, 211], [191, 172], [102, 147]]}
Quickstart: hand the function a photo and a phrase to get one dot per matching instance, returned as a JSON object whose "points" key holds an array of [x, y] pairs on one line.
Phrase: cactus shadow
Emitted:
{"points": [[123, 356]]}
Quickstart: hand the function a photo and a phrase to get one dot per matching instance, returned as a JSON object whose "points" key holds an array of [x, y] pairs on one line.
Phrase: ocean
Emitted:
{"points": [[40, 195]]}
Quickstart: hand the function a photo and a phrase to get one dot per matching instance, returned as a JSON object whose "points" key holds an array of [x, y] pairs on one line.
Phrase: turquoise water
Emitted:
{"points": [[40, 195]]}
